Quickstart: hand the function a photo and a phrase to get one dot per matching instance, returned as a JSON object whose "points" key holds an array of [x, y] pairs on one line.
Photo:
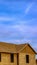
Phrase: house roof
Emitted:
{"points": [[6, 47], [13, 48]]}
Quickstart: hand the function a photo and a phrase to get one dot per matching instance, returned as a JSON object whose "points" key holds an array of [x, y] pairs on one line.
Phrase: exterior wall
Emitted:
{"points": [[5, 59], [22, 57]]}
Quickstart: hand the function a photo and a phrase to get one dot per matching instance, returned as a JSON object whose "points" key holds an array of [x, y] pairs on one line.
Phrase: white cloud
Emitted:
{"points": [[20, 31], [7, 18], [28, 8], [17, 30]]}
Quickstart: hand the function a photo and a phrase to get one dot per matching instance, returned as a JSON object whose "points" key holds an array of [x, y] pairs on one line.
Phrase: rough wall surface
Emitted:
{"points": [[5, 59], [22, 57]]}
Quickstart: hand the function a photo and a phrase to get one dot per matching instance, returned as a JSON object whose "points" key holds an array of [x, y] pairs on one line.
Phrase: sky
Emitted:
{"points": [[18, 21]]}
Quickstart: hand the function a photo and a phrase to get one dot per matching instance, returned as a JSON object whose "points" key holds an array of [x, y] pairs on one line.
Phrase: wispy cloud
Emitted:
{"points": [[28, 8], [7, 18], [11, 31]]}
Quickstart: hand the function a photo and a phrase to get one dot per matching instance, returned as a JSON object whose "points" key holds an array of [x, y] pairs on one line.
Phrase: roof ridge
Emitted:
{"points": [[14, 43], [7, 43]]}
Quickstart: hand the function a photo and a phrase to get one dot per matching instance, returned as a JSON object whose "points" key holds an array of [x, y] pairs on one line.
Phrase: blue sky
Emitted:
{"points": [[18, 21]]}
